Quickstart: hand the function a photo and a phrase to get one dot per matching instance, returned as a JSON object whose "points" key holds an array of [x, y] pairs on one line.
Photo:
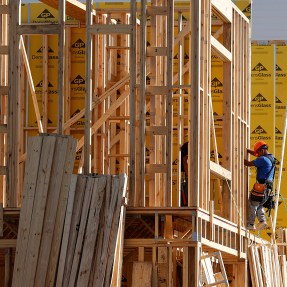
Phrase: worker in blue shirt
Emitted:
{"points": [[265, 168]]}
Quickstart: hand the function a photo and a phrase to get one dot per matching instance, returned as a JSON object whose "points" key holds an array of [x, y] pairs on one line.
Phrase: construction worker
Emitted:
{"points": [[184, 168], [265, 168]]}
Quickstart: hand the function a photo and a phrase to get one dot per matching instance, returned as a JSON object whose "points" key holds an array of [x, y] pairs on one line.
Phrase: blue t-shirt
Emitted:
{"points": [[264, 166]]}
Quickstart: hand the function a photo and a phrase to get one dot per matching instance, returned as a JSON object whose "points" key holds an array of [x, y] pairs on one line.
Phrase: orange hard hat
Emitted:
{"points": [[258, 145]]}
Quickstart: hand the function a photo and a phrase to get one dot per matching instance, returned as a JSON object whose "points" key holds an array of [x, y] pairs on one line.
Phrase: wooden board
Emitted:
{"points": [[38, 213], [66, 231], [74, 8], [141, 276], [82, 230], [31, 173], [74, 228], [1, 219], [51, 210], [61, 211], [92, 232]]}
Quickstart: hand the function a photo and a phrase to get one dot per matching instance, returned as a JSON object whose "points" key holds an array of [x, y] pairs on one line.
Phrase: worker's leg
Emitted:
{"points": [[252, 210], [260, 213]]}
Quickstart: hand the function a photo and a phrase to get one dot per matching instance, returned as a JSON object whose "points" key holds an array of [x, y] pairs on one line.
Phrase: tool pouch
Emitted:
{"points": [[259, 192]]}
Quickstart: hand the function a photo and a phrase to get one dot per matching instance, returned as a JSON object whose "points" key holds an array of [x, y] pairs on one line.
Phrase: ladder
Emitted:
{"points": [[210, 278], [4, 51]]}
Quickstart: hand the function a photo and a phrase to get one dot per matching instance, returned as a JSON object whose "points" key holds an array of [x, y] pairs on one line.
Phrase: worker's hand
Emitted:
{"points": [[248, 163], [250, 151]]}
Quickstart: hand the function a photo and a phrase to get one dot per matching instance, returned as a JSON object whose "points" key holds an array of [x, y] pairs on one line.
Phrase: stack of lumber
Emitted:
{"points": [[71, 226], [92, 242], [48, 171], [267, 268]]}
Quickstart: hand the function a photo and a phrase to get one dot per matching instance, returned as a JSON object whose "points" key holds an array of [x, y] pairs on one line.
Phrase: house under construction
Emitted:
{"points": [[145, 89]]}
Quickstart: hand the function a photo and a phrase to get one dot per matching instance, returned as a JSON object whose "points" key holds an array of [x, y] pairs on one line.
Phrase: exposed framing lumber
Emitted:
{"points": [[1, 220], [74, 8], [107, 109]]}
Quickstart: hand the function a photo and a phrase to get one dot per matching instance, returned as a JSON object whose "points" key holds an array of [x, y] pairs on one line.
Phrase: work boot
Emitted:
{"points": [[262, 225], [250, 227]]}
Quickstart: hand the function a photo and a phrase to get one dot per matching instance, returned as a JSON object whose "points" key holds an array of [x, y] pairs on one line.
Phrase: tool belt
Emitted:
{"points": [[259, 192]]}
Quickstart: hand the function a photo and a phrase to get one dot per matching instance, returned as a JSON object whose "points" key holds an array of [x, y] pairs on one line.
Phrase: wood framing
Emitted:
{"points": [[131, 83]]}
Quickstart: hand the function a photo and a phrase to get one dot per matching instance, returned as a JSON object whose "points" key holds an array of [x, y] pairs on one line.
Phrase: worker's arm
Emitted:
{"points": [[250, 151], [248, 163], [184, 159]]}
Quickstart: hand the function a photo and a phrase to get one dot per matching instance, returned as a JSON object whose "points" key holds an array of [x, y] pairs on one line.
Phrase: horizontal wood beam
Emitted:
{"points": [[142, 242], [4, 90], [3, 170], [219, 171], [4, 50], [156, 90], [39, 29], [8, 243], [156, 130], [4, 9], [156, 51], [156, 10], [156, 168], [110, 29]]}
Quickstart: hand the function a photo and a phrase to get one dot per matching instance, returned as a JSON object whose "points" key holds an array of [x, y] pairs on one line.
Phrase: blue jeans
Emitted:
{"points": [[255, 208]]}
